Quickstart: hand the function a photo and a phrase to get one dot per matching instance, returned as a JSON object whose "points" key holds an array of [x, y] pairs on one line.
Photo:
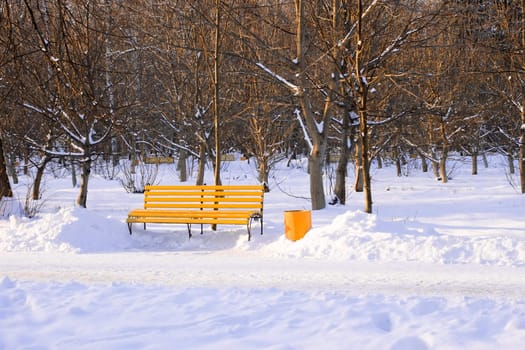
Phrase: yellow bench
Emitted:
{"points": [[228, 205]]}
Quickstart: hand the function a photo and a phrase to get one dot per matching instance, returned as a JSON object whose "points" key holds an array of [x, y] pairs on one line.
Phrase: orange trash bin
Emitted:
{"points": [[297, 223]]}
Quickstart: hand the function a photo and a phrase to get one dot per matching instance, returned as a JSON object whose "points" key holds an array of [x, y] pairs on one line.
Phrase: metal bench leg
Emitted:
{"points": [[255, 217], [129, 227], [249, 227], [189, 230]]}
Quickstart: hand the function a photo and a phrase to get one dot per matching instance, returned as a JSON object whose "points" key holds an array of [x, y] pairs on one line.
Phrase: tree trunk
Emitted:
{"points": [[435, 169], [399, 171], [342, 165], [444, 153], [522, 114], [86, 170], [216, 95], [11, 169], [340, 179], [318, 138], [359, 181], [5, 185], [363, 114], [73, 173], [316, 180], [341, 172], [522, 146], [485, 160], [201, 164], [510, 160], [443, 165], [181, 166], [38, 178], [262, 170], [424, 163], [379, 161], [474, 158]]}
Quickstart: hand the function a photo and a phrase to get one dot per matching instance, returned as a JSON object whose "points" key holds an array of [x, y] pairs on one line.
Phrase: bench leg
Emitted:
{"points": [[255, 217], [189, 230], [249, 227], [129, 227]]}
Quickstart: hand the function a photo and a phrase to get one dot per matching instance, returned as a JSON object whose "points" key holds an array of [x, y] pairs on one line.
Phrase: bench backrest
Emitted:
{"points": [[205, 197]]}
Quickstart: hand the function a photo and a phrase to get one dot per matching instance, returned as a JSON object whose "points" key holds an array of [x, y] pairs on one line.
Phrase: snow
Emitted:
{"points": [[436, 266]]}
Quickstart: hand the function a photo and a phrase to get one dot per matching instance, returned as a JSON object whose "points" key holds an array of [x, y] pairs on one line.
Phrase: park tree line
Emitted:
{"points": [[83, 80]]}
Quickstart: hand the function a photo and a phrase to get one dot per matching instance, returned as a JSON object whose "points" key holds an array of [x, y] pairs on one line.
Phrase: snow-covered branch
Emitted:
{"points": [[294, 88], [348, 35], [307, 138], [420, 150], [174, 146]]}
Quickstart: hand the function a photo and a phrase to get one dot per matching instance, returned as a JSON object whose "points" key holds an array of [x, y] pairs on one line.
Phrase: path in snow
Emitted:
{"points": [[218, 271]]}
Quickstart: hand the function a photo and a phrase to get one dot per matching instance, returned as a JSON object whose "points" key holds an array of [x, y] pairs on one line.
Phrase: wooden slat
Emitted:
{"points": [[193, 213], [204, 206], [202, 200], [204, 187], [211, 221], [203, 193]]}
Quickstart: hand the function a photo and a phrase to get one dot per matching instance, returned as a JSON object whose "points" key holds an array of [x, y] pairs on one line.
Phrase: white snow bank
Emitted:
{"points": [[356, 235], [68, 230], [353, 235]]}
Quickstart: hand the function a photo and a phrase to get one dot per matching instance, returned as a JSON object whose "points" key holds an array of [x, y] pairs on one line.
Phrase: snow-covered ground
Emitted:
{"points": [[437, 266]]}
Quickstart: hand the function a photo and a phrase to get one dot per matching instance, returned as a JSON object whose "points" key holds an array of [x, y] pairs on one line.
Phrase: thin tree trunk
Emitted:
{"points": [[443, 165], [262, 170], [5, 185], [485, 160], [181, 166], [424, 163], [73, 173], [474, 158], [216, 94], [522, 114], [444, 154], [316, 180], [398, 162], [86, 170], [38, 178], [510, 160], [201, 164], [379, 160], [340, 172], [363, 116], [522, 153], [359, 181]]}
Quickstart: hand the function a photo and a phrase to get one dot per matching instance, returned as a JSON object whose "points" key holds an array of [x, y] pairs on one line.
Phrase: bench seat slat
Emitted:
{"points": [[196, 214], [202, 193], [204, 206], [211, 221], [204, 199], [203, 187]]}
